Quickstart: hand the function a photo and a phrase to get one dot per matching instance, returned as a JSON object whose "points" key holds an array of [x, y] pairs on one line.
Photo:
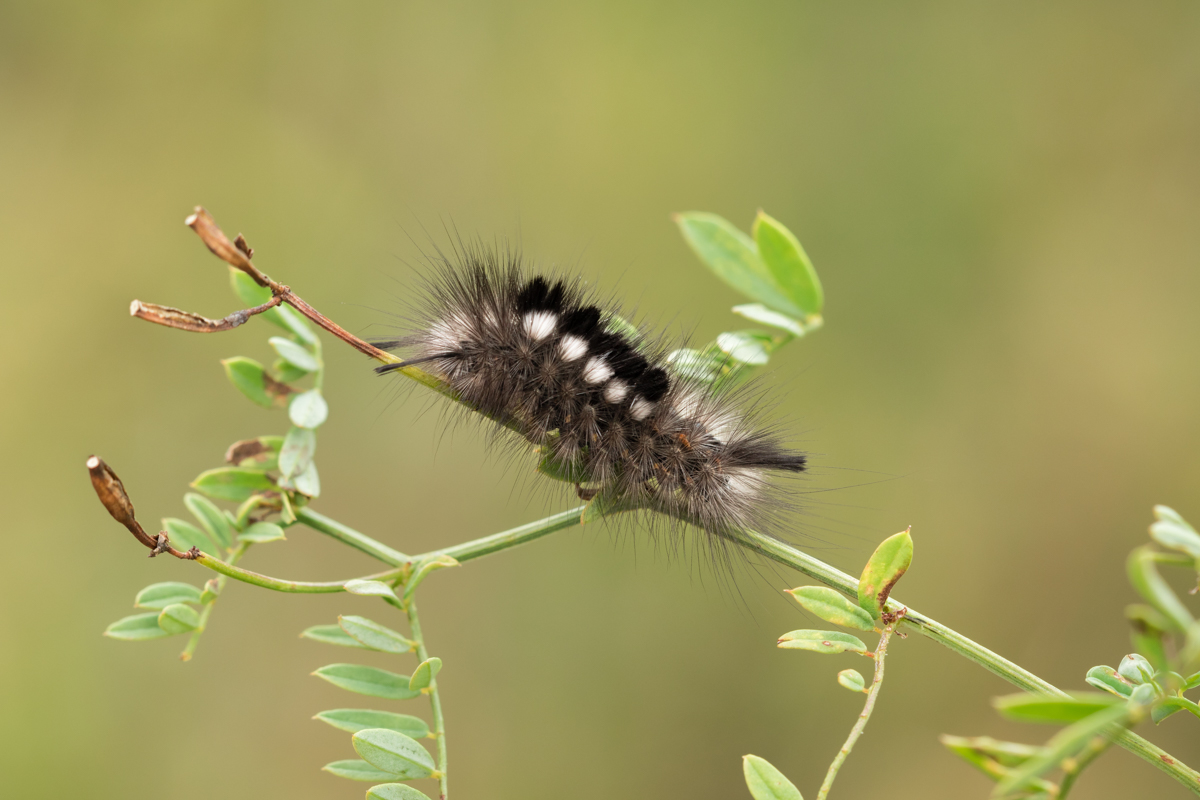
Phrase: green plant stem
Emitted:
{"points": [[347, 535], [194, 640], [861, 725], [435, 700], [775, 550], [293, 587], [1075, 766]]}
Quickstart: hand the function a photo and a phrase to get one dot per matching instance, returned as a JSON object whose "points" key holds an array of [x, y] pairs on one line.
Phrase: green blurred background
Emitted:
{"points": [[1001, 199]]}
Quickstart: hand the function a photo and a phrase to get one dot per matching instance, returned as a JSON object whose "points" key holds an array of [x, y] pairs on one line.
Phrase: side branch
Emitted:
{"points": [[187, 321]]}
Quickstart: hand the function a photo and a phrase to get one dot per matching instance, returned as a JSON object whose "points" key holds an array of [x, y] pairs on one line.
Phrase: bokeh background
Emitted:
{"points": [[1001, 199]]}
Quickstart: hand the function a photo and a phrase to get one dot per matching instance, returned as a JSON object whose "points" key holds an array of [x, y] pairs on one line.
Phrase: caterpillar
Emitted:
{"points": [[543, 356]]}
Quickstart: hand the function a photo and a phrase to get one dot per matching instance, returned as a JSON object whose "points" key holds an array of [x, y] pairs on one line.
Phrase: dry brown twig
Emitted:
{"points": [[237, 254]]}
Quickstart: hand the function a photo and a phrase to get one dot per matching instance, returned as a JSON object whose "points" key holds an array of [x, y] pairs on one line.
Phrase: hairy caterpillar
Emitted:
{"points": [[542, 356]]}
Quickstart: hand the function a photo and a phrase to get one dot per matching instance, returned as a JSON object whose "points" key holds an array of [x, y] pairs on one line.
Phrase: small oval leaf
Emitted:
{"points": [[757, 312], [746, 347], [184, 536], [1026, 707], [232, 483], [852, 679], [375, 636], [393, 752], [767, 783], [788, 264], [294, 354], [160, 595], [353, 720], [887, 565], [424, 674], [370, 588], [308, 409], [1172, 531], [828, 642], [211, 518], [332, 634], [367, 680], [247, 376], [733, 257], [395, 791], [1107, 679], [297, 451], [357, 770], [178, 618], [137, 628], [831, 606], [1135, 669], [1143, 574], [262, 532]]}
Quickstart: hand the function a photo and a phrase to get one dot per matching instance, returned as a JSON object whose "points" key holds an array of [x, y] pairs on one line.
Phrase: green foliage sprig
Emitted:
{"points": [[1149, 682], [271, 479]]}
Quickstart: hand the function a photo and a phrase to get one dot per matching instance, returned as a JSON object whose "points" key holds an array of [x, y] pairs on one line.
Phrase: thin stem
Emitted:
{"points": [[293, 587], [190, 650], [510, 538], [861, 725], [1075, 766], [347, 535], [435, 700]]}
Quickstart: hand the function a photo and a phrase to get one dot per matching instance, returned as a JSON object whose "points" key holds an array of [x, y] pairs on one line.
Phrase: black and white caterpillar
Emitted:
{"points": [[542, 356]]}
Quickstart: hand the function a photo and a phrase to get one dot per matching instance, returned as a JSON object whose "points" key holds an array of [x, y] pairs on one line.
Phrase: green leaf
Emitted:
{"points": [[852, 679], [733, 257], [308, 409], [1143, 574], [434, 563], [353, 720], [993, 758], [368, 681], [357, 770], [307, 483], [757, 312], [887, 565], [297, 451], [393, 752], [1026, 707], [246, 375], [160, 595], [285, 372], [424, 674], [700, 366], [185, 536], [1172, 705], [294, 354], [395, 791], [374, 635], [292, 320], [136, 628], [1173, 532], [262, 532], [1107, 679], [178, 618], [214, 522], [746, 347], [822, 642], [788, 264], [624, 328], [232, 483], [765, 782], [332, 634], [370, 589], [1066, 743], [1135, 669], [831, 606]]}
